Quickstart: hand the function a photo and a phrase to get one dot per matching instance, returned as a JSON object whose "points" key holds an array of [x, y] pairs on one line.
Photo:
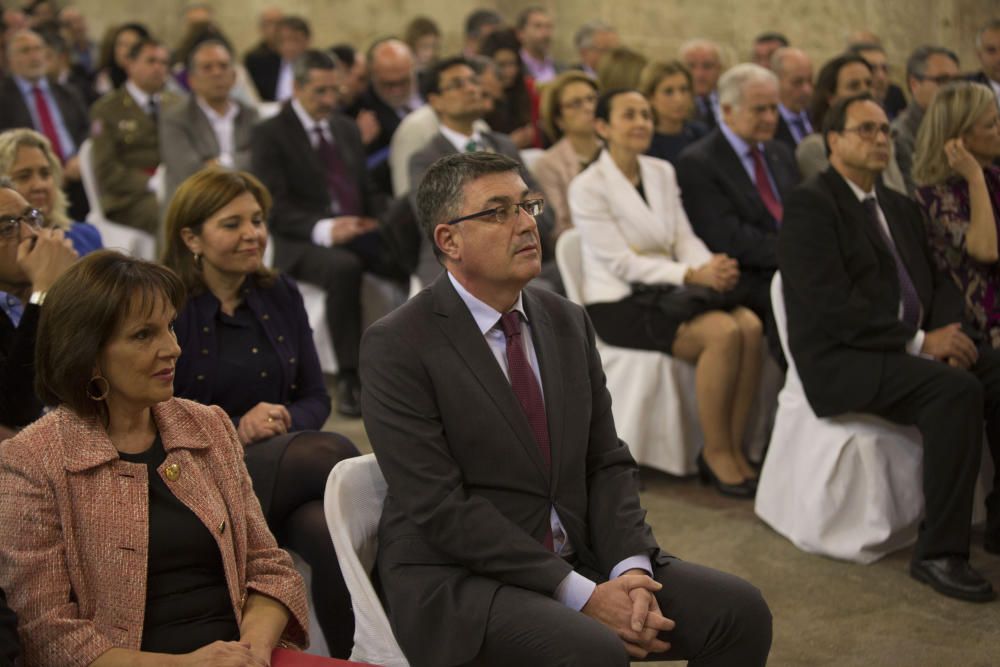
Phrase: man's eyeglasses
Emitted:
{"points": [[941, 80], [502, 214], [869, 130], [9, 224]]}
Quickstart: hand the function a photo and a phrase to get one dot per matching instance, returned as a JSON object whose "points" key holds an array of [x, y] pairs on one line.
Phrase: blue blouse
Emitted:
{"points": [[85, 238]]}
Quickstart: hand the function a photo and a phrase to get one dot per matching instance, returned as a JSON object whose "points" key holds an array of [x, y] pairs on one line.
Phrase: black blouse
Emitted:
{"points": [[187, 598], [249, 369]]}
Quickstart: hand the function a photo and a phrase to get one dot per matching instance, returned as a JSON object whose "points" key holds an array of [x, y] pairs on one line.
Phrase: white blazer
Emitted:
{"points": [[626, 240]]}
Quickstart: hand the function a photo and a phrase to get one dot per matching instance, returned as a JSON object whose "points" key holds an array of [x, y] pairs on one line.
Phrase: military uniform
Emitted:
{"points": [[126, 154]]}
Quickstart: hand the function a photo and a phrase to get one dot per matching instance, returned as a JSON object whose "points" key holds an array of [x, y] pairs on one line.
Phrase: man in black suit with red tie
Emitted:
{"points": [[735, 179], [512, 532], [875, 328], [325, 208]]}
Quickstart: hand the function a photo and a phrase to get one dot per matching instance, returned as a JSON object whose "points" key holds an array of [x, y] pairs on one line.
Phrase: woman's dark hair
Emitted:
{"points": [[826, 85], [196, 200], [514, 110], [116, 72], [82, 310], [603, 109]]}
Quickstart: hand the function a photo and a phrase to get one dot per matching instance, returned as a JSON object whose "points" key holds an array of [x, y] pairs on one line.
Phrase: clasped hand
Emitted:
{"points": [[627, 606], [721, 273], [949, 344]]}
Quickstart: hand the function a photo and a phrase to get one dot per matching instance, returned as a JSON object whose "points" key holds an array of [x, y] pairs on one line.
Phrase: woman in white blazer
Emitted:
{"points": [[650, 283]]}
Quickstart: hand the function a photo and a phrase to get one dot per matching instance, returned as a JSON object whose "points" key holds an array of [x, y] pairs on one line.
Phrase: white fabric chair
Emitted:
{"points": [[652, 393], [848, 487], [115, 236], [353, 501], [529, 156]]}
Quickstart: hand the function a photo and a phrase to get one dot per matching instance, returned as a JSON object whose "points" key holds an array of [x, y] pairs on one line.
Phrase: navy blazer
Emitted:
{"points": [[280, 310], [18, 404]]}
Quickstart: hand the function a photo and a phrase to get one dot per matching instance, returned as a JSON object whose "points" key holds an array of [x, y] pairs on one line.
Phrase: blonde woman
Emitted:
{"points": [[27, 160], [668, 87], [959, 189]]}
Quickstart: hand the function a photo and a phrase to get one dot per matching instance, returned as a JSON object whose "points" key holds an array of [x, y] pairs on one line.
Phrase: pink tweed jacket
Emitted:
{"points": [[73, 529], [554, 169]]}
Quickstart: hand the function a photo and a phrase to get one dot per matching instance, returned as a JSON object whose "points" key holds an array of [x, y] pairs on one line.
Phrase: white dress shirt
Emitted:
{"points": [[286, 79], [321, 234], [224, 127]]}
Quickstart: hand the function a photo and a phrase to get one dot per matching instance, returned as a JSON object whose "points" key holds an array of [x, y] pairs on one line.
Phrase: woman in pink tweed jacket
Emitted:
{"points": [[77, 544]]}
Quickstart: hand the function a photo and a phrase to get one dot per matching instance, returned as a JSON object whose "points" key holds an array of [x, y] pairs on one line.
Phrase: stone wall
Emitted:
{"points": [[655, 27]]}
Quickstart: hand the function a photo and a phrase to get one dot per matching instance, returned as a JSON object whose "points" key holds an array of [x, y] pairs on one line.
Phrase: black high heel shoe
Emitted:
{"points": [[745, 489]]}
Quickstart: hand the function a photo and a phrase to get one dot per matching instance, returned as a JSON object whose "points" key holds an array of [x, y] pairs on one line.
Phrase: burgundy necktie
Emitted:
{"points": [[343, 190], [528, 393], [910, 298], [45, 119], [764, 186]]}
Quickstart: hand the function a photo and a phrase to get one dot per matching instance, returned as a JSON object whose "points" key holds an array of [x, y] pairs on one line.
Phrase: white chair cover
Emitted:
{"points": [[353, 501], [653, 399], [849, 487], [115, 236], [529, 156]]}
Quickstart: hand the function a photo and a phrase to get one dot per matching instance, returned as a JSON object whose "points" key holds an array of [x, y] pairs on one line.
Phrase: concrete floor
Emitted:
{"points": [[826, 612]]}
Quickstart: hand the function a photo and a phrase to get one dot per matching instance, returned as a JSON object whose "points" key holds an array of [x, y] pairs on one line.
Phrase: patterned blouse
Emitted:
{"points": [[948, 212]]}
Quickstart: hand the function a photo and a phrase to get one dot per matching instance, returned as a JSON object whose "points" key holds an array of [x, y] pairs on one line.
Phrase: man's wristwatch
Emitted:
{"points": [[37, 298]]}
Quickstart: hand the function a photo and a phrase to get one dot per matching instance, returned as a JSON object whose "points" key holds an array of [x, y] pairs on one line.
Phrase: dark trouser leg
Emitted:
{"points": [[988, 371], [338, 271], [528, 629], [946, 405], [296, 517], [721, 619]]}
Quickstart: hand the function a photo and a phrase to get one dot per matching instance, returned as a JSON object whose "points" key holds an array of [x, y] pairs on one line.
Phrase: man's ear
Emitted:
{"points": [[448, 241]]}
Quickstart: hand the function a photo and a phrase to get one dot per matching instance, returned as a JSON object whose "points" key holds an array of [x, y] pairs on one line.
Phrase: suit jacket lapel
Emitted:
{"points": [[547, 348], [913, 258], [731, 165], [460, 328], [303, 147], [203, 128]]}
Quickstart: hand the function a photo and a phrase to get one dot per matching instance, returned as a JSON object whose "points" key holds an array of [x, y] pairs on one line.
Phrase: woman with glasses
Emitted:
{"points": [[649, 283], [959, 189], [568, 118], [27, 159], [249, 349], [668, 86]]}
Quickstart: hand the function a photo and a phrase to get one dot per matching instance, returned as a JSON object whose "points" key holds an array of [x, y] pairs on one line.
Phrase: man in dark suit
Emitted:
{"points": [[735, 179], [795, 88], [454, 92], [32, 100], [263, 61], [325, 208], [704, 60], [512, 515], [874, 328], [31, 258], [988, 52], [391, 95], [210, 128]]}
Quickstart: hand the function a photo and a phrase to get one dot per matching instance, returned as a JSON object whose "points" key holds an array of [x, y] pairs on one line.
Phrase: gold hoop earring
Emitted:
{"points": [[99, 395]]}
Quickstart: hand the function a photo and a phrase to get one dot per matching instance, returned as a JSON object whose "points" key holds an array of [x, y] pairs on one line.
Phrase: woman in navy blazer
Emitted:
{"points": [[247, 347]]}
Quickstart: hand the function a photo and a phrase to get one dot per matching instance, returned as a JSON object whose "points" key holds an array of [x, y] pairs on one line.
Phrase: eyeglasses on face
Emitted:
{"points": [[459, 83], [578, 103], [502, 214], [869, 130], [9, 224], [941, 80]]}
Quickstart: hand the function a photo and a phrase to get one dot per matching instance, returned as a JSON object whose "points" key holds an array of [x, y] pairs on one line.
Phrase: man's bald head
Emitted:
{"points": [[795, 78], [391, 67]]}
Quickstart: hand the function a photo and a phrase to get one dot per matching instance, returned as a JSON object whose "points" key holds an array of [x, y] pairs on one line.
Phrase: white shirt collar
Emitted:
{"points": [[459, 140], [308, 122], [486, 316], [140, 96], [231, 111], [858, 192]]}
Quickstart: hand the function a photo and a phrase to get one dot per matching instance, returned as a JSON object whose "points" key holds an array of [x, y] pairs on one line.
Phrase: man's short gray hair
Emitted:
{"points": [[441, 192], [310, 60], [584, 37], [700, 43], [737, 78]]}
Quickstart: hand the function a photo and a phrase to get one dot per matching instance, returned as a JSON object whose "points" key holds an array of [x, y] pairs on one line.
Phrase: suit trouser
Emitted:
{"points": [[948, 406], [721, 620]]}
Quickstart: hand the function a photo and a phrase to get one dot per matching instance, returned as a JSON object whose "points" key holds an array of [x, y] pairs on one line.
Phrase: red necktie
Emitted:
{"points": [[45, 118], [343, 189], [528, 393], [764, 186]]}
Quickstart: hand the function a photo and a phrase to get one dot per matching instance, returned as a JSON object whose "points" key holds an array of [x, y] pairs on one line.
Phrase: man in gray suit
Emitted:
{"points": [[512, 531], [210, 128], [453, 90]]}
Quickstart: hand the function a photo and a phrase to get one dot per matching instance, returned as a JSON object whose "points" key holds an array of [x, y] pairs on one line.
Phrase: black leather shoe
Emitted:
{"points": [[349, 395], [954, 577], [745, 489]]}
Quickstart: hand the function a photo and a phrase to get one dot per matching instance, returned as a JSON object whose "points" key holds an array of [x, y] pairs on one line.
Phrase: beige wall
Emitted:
{"points": [[656, 27]]}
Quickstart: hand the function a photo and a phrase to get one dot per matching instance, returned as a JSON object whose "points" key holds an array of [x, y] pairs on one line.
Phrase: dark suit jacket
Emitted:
{"points": [[428, 267], [784, 134], [187, 140], [264, 66], [284, 159], [18, 404], [9, 646], [723, 204], [842, 293], [378, 149], [469, 495], [14, 110]]}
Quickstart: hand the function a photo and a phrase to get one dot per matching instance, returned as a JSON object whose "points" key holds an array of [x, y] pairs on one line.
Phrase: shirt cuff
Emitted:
{"points": [[632, 563], [916, 343], [322, 233], [574, 591]]}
